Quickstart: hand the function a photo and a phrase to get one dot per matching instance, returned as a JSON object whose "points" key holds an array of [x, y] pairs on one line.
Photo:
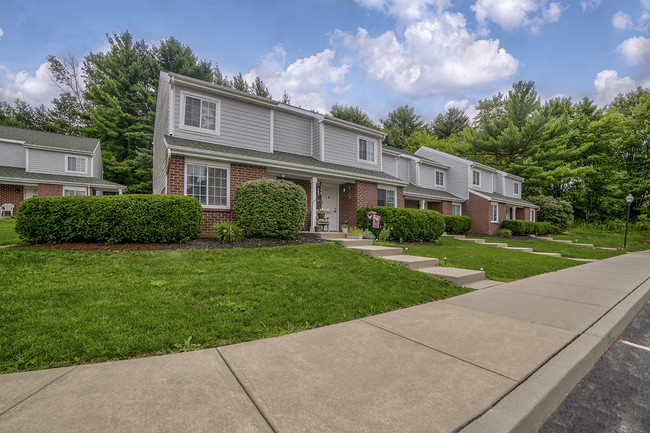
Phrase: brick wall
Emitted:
{"points": [[11, 194], [444, 207], [523, 213], [478, 209], [411, 204], [400, 197], [45, 190], [176, 176], [353, 196]]}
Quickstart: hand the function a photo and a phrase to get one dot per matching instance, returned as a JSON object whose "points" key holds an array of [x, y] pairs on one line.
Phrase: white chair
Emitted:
{"points": [[7, 207]]}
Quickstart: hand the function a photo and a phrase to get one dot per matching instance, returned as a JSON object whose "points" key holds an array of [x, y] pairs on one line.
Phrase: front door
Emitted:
{"points": [[29, 192], [330, 200]]}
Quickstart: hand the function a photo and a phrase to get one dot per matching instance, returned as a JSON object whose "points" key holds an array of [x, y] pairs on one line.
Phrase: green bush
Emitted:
{"points": [[519, 227], [109, 219], [268, 208], [554, 210], [457, 225], [410, 225], [228, 232], [543, 228], [504, 233]]}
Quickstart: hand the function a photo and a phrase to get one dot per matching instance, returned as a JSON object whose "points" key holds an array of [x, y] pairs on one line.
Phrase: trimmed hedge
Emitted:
{"points": [[410, 225], [270, 208], [109, 219], [519, 227], [543, 228], [457, 224]]}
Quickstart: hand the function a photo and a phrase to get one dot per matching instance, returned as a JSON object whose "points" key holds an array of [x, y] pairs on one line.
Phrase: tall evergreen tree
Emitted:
{"points": [[400, 124], [259, 88], [351, 114], [239, 83], [452, 122]]}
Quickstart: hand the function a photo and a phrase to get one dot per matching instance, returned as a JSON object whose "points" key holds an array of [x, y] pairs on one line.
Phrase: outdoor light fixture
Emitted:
{"points": [[445, 261], [406, 251], [629, 199]]}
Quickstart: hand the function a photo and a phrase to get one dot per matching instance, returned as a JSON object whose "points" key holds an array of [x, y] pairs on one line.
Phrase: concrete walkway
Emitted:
{"points": [[496, 360]]}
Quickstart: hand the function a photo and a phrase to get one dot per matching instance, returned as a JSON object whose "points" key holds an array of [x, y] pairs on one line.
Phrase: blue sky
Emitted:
{"points": [[376, 54]]}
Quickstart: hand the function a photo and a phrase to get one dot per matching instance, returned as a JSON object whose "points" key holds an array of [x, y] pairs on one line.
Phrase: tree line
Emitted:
{"points": [[590, 156]]}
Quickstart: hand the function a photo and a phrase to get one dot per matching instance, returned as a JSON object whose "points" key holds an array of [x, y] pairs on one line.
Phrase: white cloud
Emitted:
{"points": [[434, 55], [2, 32], [456, 104], [635, 50], [622, 21], [308, 81], [406, 10], [607, 85], [34, 89], [512, 14], [589, 4]]}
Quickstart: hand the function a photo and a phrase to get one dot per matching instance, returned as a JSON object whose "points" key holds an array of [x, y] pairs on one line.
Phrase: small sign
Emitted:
{"points": [[375, 221]]}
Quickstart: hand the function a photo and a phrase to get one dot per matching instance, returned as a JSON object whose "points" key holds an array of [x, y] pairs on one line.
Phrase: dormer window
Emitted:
{"points": [[200, 114], [476, 178], [515, 188], [440, 178], [75, 164], [366, 150]]}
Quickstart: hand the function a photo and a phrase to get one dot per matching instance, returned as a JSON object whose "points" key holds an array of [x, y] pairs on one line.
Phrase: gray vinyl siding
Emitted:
{"points": [[390, 164], [341, 147], [487, 183], [315, 140], [45, 161], [161, 127], [510, 189], [498, 183], [456, 177], [403, 168], [427, 177], [242, 124], [97, 163], [292, 133], [12, 155], [413, 174]]}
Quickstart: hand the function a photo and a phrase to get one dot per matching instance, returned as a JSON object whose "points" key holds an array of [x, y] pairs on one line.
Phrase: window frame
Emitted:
{"points": [[532, 215], [516, 188], [460, 209], [208, 165], [374, 150], [475, 171], [67, 166], [217, 114], [75, 189], [387, 188], [435, 178], [495, 213]]}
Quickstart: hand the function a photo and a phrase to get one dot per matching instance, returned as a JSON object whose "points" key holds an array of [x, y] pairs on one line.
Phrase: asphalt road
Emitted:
{"points": [[615, 396]]}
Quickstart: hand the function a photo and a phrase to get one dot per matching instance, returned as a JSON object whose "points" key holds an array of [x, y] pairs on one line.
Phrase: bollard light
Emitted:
{"points": [[445, 261], [629, 199]]}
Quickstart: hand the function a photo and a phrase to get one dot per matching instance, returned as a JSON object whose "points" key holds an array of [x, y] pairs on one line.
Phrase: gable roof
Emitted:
{"points": [[493, 196], [48, 139], [429, 194], [284, 159], [18, 174]]}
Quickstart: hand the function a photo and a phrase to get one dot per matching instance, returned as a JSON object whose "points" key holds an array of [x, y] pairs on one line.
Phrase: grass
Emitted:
{"points": [[67, 307], [7, 233], [566, 250], [498, 263], [607, 239]]}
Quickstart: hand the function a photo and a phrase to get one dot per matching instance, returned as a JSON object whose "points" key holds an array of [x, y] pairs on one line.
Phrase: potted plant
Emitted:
{"points": [[344, 228], [354, 233], [320, 213]]}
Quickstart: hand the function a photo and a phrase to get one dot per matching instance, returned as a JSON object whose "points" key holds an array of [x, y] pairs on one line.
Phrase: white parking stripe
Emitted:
{"points": [[636, 345]]}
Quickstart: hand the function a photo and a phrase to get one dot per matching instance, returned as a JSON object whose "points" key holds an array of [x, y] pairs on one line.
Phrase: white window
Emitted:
{"points": [[494, 213], [76, 164], [208, 184], [386, 197], [532, 215], [200, 114], [71, 191], [456, 209], [476, 178], [515, 188], [366, 150], [440, 178]]}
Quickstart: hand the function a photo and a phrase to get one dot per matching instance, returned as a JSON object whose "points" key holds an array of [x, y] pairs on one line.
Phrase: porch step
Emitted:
{"points": [[548, 254], [456, 276], [525, 250], [378, 251], [331, 235], [345, 242], [413, 262]]}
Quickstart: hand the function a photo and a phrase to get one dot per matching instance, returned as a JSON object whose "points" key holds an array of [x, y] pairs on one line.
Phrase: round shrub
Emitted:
{"points": [[457, 224], [519, 227], [227, 232], [542, 228], [269, 208], [109, 219], [554, 210], [504, 233], [410, 225]]}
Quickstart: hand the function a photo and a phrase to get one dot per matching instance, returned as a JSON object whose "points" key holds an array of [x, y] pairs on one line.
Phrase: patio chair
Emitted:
{"points": [[7, 207]]}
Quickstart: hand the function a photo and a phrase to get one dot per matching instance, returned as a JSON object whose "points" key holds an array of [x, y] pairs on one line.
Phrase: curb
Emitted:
{"points": [[526, 408]]}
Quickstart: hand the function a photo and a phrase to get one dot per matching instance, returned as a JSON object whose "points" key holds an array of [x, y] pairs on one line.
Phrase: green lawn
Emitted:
{"points": [[7, 233], [498, 263], [566, 250], [66, 307], [607, 239]]}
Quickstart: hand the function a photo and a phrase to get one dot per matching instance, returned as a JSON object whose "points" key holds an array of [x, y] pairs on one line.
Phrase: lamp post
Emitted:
{"points": [[629, 199]]}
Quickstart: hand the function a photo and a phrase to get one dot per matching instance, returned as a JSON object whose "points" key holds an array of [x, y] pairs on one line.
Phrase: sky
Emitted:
{"points": [[374, 54]]}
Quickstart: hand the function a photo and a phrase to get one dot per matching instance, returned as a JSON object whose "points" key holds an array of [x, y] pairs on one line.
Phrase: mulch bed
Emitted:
{"points": [[198, 244]]}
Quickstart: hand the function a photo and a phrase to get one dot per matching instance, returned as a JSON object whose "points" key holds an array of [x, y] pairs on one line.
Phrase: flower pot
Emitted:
{"points": [[344, 230], [354, 235]]}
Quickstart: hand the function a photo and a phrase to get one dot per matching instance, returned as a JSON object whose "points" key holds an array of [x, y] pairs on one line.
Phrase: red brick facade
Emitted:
{"points": [[478, 209], [353, 196], [523, 214], [444, 207], [411, 204], [11, 194], [45, 190]]}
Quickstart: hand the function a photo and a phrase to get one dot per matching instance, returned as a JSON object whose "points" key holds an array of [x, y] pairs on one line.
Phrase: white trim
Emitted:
{"points": [[27, 160], [387, 188], [532, 215], [171, 107], [201, 98], [435, 178], [496, 205], [86, 163], [374, 152], [474, 170], [418, 171], [321, 139], [518, 192], [7, 140], [74, 188], [220, 166], [271, 124], [58, 149], [314, 201]]}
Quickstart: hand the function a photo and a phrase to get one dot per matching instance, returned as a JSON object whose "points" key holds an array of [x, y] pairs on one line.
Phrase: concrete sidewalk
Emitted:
{"points": [[500, 359]]}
